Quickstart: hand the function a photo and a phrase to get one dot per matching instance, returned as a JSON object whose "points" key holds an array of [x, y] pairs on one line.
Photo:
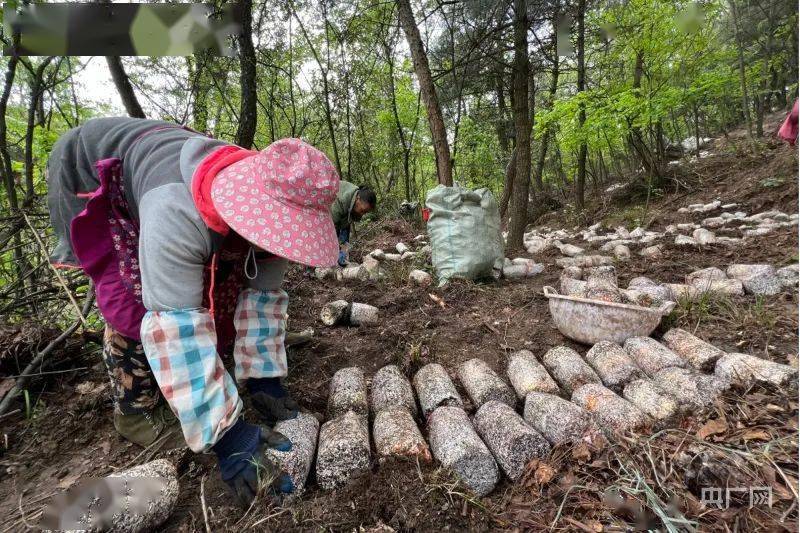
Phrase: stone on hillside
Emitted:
{"points": [[683, 210], [435, 388], [671, 229], [378, 254], [613, 413], [613, 364], [700, 354], [649, 399], [302, 431], [355, 272], [348, 392], [458, 447], [623, 233], [572, 287], [757, 279], [420, 277], [536, 245], [788, 275], [713, 222], [527, 374], [683, 240], [651, 356], [610, 245], [522, 268], [568, 368], [344, 450], [570, 250], [585, 261], [391, 388], [729, 206], [513, 442], [483, 384], [744, 370], [607, 273], [401, 248], [572, 272], [658, 292], [703, 236], [705, 275], [682, 291], [728, 287], [557, 419], [396, 434], [650, 237], [652, 252], [757, 232], [637, 233], [689, 387], [393, 257], [622, 252], [370, 263]]}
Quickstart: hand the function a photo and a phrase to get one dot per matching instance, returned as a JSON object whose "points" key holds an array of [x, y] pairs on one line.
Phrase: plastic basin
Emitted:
{"points": [[591, 321]]}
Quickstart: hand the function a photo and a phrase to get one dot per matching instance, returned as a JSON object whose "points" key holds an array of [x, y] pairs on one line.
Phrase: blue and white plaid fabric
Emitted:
{"points": [[260, 323], [181, 347]]}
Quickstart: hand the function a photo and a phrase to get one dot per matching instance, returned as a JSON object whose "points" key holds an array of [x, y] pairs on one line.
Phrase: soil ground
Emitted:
{"points": [[635, 483]]}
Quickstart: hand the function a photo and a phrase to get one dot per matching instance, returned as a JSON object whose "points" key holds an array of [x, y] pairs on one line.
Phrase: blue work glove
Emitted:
{"points": [[342, 258], [271, 400], [243, 464], [344, 235]]}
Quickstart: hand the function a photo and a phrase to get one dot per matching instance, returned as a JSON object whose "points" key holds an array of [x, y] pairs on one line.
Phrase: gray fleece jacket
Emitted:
{"points": [[174, 242]]}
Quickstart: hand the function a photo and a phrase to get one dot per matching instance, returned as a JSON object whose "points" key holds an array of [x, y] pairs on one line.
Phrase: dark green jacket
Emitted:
{"points": [[343, 205]]}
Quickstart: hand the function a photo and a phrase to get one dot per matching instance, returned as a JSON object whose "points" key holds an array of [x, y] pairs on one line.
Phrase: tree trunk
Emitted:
{"points": [[444, 166], [8, 173], [537, 175], [580, 180], [36, 93], [508, 184], [124, 87], [522, 128], [742, 76], [248, 114]]}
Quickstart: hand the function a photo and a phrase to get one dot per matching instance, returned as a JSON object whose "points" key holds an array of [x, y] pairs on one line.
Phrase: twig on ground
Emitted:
{"points": [[203, 503]]}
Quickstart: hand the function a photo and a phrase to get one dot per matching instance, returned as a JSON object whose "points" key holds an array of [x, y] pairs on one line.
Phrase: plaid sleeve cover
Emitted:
{"points": [[181, 349], [260, 330]]}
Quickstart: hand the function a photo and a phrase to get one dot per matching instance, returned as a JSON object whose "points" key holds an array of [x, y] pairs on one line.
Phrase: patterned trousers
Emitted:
{"points": [[133, 385]]}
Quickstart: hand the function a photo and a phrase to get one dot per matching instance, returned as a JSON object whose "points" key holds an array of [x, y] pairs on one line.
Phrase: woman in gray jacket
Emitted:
{"points": [[187, 240]]}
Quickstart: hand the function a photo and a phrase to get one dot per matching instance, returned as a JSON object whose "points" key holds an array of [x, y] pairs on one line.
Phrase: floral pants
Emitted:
{"points": [[132, 383]]}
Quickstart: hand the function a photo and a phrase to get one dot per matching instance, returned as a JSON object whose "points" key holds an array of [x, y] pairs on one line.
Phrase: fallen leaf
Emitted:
{"points": [[712, 427], [437, 300], [755, 434], [544, 474], [581, 452]]}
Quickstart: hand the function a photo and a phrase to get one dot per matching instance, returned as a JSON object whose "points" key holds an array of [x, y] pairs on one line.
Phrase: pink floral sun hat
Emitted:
{"points": [[279, 200]]}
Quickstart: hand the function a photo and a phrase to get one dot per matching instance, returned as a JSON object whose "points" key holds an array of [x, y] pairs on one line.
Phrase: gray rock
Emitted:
{"points": [[680, 291], [637, 233], [435, 388], [536, 245], [699, 354], [622, 252], [348, 392], [595, 275], [568, 368], [302, 431], [730, 287], [688, 387], [757, 279], [610, 245], [511, 440], [652, 252], [788, 275], [705, 275], [396, 434], [613, 364], [569, 250], [650, 400], [658, 292], [613, 413], [420, 277], [685, 227], [527, 374], [343, 450], [757, 232], [745, 370], [623, 233], [585, 261], [557, 419], [714, 222], [155, 485], [483, 384], [683, 240], [572, 272], [391, 388], [651, 356], [457, 446], [572, 287], [703, 236]]}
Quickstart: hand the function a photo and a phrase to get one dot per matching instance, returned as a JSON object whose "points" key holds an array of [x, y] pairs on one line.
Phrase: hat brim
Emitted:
{"points": [[301, 234]]}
